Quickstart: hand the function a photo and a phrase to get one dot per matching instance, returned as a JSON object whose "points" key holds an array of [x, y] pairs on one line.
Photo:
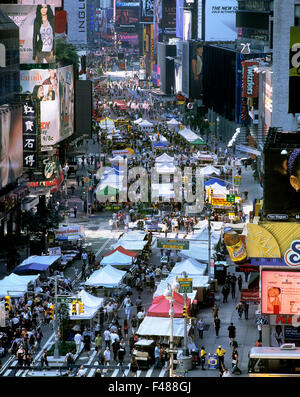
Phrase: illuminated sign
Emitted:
{"points": [[292, 255]]}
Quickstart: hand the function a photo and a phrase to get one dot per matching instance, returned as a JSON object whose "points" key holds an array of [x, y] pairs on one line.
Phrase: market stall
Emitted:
{"points": [[16, 286], [107, 276], [160, 306], [160, 326], [91, 306], [190, 266], [38, 264], [117, 258]]}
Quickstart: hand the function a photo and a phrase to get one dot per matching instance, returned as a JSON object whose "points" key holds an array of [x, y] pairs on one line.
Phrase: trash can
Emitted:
{"points": [[212, 362], [187, 362]]}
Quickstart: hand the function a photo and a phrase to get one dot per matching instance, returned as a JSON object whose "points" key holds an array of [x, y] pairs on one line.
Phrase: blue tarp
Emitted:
{"points": [[211, 181], [31, 266], [160, 144]]}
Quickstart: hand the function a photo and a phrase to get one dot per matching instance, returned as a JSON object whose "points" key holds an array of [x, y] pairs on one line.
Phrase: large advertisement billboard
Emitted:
{"points": [[36, 31], [11, 144], [53, 89], [127, 14], [294, 74], [196, 70], [220, 20], [280, 292], [77, 20], [147, 11], [168, 20], [282, 182]]}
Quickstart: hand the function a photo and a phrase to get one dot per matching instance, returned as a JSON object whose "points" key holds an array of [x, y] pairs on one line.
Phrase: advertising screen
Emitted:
{"points": [[280, 292], [220, 20], [168, 20], [55, 3], [36, 31], [53, 90], [179, 18], [11, 145], [147, 10], [282, 182], [126, 17], [196, 70]]}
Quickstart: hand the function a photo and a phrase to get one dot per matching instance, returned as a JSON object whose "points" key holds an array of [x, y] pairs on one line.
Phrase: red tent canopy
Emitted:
{"points": [[161, 306], [123, 251]]}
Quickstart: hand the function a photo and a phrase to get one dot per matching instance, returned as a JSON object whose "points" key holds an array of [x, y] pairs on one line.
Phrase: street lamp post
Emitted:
{"points": [[56, 351], [185, 340]]}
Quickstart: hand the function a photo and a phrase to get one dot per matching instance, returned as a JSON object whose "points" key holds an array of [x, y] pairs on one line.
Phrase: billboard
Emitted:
{"points": [[36, 31], [30, 135], [282, 181], [127, 17], [280, 292], [157, 24], [11, 144], [294, 74], [220, 20], [77, 20], [196, 70], [53, 89], [187, 25], [147, 11], [168, 20]]}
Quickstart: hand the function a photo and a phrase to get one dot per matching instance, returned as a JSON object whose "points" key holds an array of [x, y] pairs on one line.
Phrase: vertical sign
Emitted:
{"points": [[29, 136], [294, 70]]}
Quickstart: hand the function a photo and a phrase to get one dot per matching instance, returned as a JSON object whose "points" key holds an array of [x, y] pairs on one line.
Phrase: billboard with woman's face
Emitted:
{"points": [[53, 89], [36, 31], [11, 145]]}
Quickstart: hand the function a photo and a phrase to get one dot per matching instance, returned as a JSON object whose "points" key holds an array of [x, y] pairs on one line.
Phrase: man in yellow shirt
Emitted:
{"points": [[202, 356], [220, 353]]}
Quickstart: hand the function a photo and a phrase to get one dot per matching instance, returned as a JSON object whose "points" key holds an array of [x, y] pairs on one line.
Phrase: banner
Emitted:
{"points": [[11, 144], [250, 79], [77, 20], [29, 136], [147, 11], [220, 22], [294, 70], [36, 31]]}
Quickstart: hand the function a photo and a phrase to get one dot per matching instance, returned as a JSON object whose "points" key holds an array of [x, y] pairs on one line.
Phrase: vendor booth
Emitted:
{"points": [[16, 286], [107, 277], [117, 258], [160, 306], [161, 326], [38, 264]]}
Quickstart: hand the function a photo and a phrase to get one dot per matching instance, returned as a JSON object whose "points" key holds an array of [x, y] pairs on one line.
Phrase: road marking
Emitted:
{"points": [[149, 372], [93, 370], [162, 372], [126, 372]]}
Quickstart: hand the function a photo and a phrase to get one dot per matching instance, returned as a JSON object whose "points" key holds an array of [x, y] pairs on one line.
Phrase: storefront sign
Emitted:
{"points": [[250, 79], [54, 251], [29, 136], [220, 202], [292, 255]]}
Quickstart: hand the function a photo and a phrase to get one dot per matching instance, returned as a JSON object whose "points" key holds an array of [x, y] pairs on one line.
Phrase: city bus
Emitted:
{"points": [[281, 361]]}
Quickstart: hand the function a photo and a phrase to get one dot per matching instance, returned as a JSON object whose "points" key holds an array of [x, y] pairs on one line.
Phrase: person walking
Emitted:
{"points": [[200, 327], [246, 309], [44, 358], [231, 333], [78, 341], [240, 309], [87, 343], [98, 342], [107, 356], [100, 357], [221, 355], [125, 328], [217, 325], [107, 338], [156, 355], [215, 311], [133, 366], [121, 355], [202, 357], [240, 282], [75, 211], [233, 286], [235, 360], [225, 292]]}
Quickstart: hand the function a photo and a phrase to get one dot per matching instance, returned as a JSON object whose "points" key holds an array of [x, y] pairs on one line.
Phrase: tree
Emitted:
{"points": [[63, 320], [66, 54]]}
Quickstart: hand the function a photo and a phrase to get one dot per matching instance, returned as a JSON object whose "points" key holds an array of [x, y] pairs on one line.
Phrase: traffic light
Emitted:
{"points": [[80, 307], [74, 308], [184, 314], [51, 312], [7, 303]]}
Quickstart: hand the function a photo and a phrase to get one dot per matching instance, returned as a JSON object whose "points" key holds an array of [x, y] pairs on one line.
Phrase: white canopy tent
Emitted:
{"points": [[161, 326], [190, 266], [197, 250], [145, 125], [203, 235], [218, 189], [15, 286], [138, 121], [91, 305], [165, 168], [130, 245], [107, 276], [134, 235], [165, 190], [210, 170], [117, 258], [164, 158], [173, 123], [107, 124], [189, 135], [117, 158]]}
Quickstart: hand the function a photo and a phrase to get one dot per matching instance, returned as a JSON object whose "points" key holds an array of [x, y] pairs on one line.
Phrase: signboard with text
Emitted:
{"points": [[186, 285], [173, 244]]}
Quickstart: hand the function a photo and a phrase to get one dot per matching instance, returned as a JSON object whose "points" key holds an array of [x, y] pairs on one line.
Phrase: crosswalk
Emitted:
{"points": [[107, 373]]}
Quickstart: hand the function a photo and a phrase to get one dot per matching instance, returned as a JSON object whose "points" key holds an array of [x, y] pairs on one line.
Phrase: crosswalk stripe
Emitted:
{"points": [[126, 372], [149, 372], [162, 372]]}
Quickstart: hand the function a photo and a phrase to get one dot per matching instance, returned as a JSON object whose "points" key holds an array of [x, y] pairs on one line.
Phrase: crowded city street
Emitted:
{"points": [[149, 191]]}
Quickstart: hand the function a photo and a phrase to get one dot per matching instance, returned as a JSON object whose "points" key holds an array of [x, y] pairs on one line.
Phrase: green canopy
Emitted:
{"points": [[198, 141], [107, 191]]}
